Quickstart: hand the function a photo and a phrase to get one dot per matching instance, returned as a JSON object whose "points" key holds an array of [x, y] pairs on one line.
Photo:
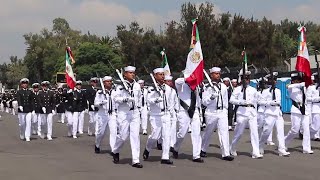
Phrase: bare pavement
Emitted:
{"points": [[67, 159]]}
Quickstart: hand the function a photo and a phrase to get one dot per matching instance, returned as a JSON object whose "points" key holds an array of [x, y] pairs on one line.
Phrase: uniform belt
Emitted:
{"points": [[247, 105], [275, 105]]}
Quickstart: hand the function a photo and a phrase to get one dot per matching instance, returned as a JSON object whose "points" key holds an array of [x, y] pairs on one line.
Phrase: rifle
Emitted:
{"points": [[154, 81], [207, 77], [122, 80], [101, 84]]}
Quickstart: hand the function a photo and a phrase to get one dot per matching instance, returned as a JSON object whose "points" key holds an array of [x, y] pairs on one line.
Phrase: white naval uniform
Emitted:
{"points": [[273, 116], [296, 92], [160, 118], [246, 115], [260, 115], [106, 116], [128, 118], [216, 115], [313, 97], [144, 109], [173, 117], [184, 94]]}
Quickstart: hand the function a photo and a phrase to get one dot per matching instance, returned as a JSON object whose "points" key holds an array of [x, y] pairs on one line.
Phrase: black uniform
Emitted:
{"points": [[230, 107], [60, 102], [36, 102], [91, 94], [80, 100], [5, 99], [25, 98], [47, 100]]}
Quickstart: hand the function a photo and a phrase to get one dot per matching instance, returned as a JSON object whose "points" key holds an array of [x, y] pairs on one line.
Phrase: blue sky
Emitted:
{"points": [[18, 17]]}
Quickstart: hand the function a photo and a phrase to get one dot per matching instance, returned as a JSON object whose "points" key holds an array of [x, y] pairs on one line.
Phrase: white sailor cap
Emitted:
{"points": [[130, 69], [107, 78], [24, 80], [94, 79], [214, 69], [35, 85], [315, 74], [226, 79], [275, 74], [246, 73], [234, 80], [140, 81], [45, 83], [78, 82], [294, 74], [312, 78], [158, 70], [168, 78]]}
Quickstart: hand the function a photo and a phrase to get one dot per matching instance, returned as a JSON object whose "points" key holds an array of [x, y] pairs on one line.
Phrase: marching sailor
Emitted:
{"points": [[144, 107]]}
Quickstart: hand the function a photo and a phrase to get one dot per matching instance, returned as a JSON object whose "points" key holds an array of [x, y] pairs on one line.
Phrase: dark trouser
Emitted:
{"points": [[230, 116]]}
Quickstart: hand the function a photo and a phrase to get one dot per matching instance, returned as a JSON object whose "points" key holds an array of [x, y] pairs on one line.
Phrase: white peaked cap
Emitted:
{"points": [[294, 74], [246, 73], [24, 80], [158, 70], [234, 80], [45, 83], [35, 84], [214, 69], [226, 79], [140, 81], [79, 82], [107, 78], [130, 69], [94, 79], [168, 78]]}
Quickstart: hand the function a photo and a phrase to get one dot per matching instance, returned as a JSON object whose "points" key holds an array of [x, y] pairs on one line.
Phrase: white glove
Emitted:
{"points": [[131, 99], [44, 110], [92, 107], [86, 110], [159, 99], [243, 102], [33, 112], [69, 91], [21, 108], [53, 112], [214, 95]]}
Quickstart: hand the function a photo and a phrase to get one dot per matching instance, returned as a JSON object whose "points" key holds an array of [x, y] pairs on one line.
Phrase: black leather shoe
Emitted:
{"points": [[166, 161], [137, 165], [175, 154], [96, 150], [159, 146], [198, 160], [171, 149], [145, 154], [228, 158], [203, 154], [115, 158], [317, 139]]}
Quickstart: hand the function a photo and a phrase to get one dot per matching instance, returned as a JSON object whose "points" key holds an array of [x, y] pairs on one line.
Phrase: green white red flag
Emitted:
{"points": [[70, 78]]}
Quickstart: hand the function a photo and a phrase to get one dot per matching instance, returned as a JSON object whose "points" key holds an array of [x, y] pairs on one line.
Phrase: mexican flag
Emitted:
{"points": [[193, 72], [71, 80], [303, 63], [245, 60], [165, 64]]}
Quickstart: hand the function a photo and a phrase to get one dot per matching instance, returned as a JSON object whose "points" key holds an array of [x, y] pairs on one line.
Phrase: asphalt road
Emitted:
{"points": [[67, 159]]}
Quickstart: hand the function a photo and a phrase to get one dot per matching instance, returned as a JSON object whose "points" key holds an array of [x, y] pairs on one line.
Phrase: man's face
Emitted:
{"points": [[78, 86], [141, 85], [129, 75], [94, 83], [159, 77], [44, 87], [24, 85], [227, 83], [36, 89], [169, 82], [215, 76], [107, 84], [234, 84]]}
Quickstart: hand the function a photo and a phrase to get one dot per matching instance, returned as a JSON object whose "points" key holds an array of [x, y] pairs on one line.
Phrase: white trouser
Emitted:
{"points": [[160, 127], [242, 122], [92, 128], [184, 122], [260, 121], [129, 125], [217, 120], [144, 117], [35, 122], [270, 121], [62, 116], [46, 124], [315, 125], [72, 123], [24, 125], [104, 120], [296, 121], [173, 130], [80, 118]]}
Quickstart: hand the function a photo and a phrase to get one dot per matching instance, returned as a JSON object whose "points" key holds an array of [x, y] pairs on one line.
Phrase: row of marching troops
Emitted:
{"points": [[8, 101], [173, 108]]}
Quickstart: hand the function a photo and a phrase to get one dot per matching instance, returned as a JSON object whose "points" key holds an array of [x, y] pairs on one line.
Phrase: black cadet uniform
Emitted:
{"points": [[47, 100], [25, 99], [90, 95]]}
